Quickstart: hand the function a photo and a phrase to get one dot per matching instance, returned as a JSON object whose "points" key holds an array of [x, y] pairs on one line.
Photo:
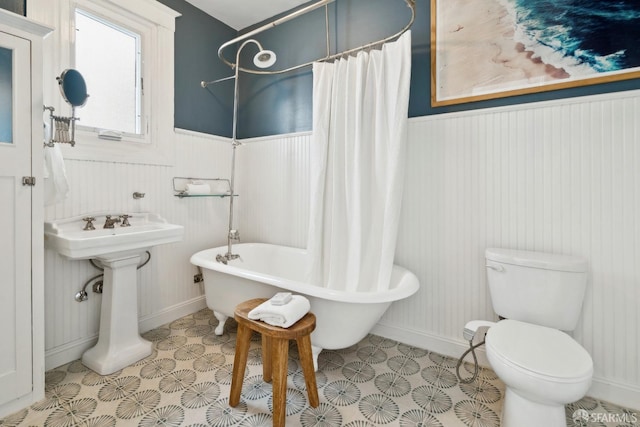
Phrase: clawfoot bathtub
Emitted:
{"points": [[342, 318]]}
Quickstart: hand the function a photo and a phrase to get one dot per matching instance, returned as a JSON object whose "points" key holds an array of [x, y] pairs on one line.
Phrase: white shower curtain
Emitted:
{"points": [[360, 110]]}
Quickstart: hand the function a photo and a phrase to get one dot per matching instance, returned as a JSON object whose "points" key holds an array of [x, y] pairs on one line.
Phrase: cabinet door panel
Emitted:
{"points": [[15, 219]]}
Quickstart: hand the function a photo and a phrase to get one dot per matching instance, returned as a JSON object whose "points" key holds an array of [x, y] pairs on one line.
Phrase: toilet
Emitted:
{"points": [[540, 296]]}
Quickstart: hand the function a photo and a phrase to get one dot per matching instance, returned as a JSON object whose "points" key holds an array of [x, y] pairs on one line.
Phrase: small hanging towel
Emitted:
{"points": [[56, 186]]}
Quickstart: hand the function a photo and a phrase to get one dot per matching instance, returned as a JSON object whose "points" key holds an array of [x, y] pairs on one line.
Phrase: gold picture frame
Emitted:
{"points": [[483, 49]]}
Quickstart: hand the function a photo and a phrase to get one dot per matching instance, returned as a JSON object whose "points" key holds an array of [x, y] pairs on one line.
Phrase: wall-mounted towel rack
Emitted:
{"points": [[201, 187], [63, 129]]}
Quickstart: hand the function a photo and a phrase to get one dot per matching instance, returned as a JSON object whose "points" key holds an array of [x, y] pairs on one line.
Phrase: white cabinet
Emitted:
{"points": [[21, 213]]}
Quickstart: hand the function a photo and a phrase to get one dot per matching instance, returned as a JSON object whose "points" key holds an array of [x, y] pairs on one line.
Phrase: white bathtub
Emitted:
{"points": [[342, 318]]}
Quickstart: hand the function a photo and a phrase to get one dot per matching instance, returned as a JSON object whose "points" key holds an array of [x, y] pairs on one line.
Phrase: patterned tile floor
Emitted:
{"points": [[186, 382]]}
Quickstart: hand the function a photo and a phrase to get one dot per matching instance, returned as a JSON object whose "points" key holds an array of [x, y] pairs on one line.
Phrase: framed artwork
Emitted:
{"points": [[485, 49], [15, 6]]}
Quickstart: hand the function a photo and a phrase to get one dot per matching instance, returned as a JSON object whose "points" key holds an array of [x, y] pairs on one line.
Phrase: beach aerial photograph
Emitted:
{"points": [[486, 47]]}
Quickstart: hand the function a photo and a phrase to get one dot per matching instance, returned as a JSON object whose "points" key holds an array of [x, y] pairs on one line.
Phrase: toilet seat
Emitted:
{"points": [[538, 351]]}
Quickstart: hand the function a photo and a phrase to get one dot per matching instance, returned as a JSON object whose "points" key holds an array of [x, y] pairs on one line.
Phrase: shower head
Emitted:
{"points": [[264, 58]]}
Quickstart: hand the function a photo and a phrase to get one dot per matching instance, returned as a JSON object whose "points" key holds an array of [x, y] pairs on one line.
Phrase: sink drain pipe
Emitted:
{"points": [[82, 295]]}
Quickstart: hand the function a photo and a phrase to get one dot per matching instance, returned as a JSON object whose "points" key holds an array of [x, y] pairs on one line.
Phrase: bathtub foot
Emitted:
{"points": [[315, 352], [219, 330]]}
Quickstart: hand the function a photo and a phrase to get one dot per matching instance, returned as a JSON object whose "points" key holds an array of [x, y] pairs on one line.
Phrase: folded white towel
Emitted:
{"points": [[194, 188], [281, 315], [56, 186]]}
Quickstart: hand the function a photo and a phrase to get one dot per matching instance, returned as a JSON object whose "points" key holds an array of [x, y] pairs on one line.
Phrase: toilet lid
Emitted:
{"points": [[539, 350]]}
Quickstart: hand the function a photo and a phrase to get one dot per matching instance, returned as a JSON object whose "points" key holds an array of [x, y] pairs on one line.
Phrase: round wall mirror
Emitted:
{"points": [[72, 87]]}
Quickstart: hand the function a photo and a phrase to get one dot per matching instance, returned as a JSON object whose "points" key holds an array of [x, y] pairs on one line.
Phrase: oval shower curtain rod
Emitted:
{"points": [[410, 3]]}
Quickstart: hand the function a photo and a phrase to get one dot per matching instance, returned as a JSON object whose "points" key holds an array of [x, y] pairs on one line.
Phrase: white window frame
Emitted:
{"points": [[133, 29], [157, 145]]}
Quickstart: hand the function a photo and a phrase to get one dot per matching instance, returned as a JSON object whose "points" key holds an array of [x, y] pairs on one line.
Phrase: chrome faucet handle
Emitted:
{"points": [[109, 222], [125, 220], [89, 225]]}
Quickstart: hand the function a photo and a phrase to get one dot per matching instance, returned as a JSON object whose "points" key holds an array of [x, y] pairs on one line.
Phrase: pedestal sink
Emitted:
{"points": [[118, 249]]}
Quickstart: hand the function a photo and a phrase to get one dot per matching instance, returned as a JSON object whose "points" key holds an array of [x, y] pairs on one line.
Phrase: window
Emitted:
{"points": [[152, 25], [109, 57], [6, 95]]}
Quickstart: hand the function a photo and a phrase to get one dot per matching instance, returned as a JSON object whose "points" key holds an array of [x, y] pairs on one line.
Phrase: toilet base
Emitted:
{"points": [[520, 412]]}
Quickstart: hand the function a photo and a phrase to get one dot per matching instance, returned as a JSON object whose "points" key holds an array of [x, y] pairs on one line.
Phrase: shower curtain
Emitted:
{"points": [[360, 110]]}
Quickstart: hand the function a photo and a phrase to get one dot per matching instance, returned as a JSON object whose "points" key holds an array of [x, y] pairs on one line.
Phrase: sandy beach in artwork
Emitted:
{"points": [[477, 53]]}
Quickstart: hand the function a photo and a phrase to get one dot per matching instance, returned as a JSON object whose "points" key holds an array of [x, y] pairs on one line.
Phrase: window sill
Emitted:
{"points": [[128, 150]]}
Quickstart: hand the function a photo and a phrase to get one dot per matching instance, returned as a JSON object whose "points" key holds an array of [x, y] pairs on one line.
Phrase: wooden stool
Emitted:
{"points": [[275, 355]]}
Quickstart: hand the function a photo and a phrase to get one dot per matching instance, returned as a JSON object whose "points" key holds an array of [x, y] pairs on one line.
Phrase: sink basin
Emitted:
{"points": [[118, 249], [67, 237]]}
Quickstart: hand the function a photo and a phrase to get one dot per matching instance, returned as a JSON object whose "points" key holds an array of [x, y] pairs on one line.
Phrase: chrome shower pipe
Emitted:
{"points": [[411, 4], [233, 234], [268, 26], [204, 84]]}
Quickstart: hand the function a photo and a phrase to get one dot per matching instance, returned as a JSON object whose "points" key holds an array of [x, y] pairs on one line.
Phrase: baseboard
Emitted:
{"points": [[73, 351], [18, 404], [615, 392], [618, 393], [431, 342], [172, 313], [68, 352]]}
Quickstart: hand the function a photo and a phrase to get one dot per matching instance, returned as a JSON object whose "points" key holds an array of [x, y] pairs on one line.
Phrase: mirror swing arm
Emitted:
{"points": [[74, 91]]}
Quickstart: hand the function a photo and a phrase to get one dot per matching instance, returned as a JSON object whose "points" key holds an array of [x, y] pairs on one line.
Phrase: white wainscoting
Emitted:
{"points": [[273, 183], [165, 290], [561, 176]]}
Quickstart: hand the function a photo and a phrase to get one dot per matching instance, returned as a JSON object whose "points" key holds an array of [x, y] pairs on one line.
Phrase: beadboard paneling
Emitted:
{"points": [[552, 177], [557, 177], [273, 183], [166, 283], [560, 177]]}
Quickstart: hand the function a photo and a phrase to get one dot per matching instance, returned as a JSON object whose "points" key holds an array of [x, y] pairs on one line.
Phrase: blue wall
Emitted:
{"points": [[282, 103], [197, 39]]}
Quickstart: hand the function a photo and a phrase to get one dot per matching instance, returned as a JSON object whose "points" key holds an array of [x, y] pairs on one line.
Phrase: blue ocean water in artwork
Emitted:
{"points": [[580, 36]]}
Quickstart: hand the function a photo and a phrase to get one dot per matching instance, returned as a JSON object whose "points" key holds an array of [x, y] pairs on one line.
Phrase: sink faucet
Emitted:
{"points": [[125, 220], [89, 226], [109, 222]]}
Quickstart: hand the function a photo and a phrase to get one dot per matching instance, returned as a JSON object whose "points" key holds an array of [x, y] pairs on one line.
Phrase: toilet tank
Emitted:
{"points": [[536, 287]]}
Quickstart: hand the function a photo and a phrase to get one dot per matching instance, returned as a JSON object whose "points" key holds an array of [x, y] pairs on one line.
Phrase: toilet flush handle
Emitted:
{"points": [[498, 268]]}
